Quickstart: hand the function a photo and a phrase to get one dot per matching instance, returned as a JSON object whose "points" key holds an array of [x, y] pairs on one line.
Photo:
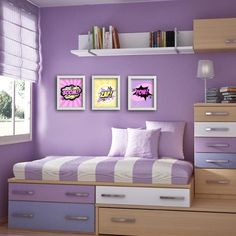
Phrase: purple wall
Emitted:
{"points": [[88, 132], [9, 155]]}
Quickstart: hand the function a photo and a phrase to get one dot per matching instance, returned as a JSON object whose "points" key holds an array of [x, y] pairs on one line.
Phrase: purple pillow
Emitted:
{"points": [[142, 143], [119, 142], [171, 138]]}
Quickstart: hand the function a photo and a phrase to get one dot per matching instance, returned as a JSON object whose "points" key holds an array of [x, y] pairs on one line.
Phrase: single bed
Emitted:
{"points": [[106, 169]]}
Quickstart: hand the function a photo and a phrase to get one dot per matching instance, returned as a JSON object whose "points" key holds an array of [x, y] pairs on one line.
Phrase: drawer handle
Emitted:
{"points": [[217, 181], [23, 215], [218, 145], [217, 161], [123, 220], [217, 113], [22, 192], [229, 41], [217, 129], [172, 197], [78, 218], [113, 195], [74, 194]]}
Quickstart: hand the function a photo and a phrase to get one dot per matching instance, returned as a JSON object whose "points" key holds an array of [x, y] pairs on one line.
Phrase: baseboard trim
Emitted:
{"points": [[3, 220]]}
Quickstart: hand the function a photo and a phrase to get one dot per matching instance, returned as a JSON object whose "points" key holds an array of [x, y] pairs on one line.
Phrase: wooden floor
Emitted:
{"points": [[13, 232]]}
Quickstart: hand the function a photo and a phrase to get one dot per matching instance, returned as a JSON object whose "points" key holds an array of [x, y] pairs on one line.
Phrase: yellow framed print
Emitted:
{"points": [[105, 92]]}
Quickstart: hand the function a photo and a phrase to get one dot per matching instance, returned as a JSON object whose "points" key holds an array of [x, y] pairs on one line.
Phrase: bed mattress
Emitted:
{"points": [[105, 169]]}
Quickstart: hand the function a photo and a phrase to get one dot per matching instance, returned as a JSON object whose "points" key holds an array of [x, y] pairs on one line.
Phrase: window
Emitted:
{"points": [[15, 111]]}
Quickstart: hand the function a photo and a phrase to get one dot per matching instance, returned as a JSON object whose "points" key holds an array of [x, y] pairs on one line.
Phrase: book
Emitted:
{"points": [[110, 37], [170, 38], [103, 37], [115, 38], [227, 89], [227, 101], [151, 40], [158, 38], [228, 93]]}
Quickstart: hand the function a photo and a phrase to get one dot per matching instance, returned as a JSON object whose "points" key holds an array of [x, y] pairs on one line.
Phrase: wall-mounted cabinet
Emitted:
{"points": [[214, 35], [137, 44]]}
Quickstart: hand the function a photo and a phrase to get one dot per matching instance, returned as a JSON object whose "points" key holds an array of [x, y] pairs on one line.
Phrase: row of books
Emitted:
{"points": [[221, 95], [162, 39], [228, 94], [102, 38]]}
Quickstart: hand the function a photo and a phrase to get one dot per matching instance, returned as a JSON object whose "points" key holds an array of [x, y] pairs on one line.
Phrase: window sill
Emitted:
{"points": [[14, 139]]}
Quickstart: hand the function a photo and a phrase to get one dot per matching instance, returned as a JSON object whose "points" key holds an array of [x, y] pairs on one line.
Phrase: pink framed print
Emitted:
{"points": [[70, 92], [142, 93]]}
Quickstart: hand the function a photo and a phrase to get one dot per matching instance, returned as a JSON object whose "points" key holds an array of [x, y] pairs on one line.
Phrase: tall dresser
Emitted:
{"points": [[215, 150]]}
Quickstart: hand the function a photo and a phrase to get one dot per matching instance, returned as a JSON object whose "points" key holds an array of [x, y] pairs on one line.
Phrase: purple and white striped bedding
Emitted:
{"points": [[106, 169]]}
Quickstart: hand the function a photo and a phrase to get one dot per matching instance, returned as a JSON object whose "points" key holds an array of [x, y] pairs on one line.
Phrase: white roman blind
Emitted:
{"points": [[19, 40]]}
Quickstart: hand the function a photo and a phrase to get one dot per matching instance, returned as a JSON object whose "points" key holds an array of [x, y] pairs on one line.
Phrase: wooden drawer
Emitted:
{"points": [[214, 35], [51, 193], [220, 145], [215, 181], [215, 160], [217, 113], [165, 223], [215, 129], [51, 216], [143, 196]]}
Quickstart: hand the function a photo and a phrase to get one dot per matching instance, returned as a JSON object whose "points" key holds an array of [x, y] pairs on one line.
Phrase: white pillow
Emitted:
{"points": [[143, 143], [119, 142]]}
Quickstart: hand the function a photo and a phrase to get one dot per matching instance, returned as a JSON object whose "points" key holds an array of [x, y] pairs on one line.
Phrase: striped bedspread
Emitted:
{"points": [[105, 169]]}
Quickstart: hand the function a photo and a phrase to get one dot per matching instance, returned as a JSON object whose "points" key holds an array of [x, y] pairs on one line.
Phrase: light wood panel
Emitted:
{"points": [[168, 223], [215, 181], [186, 186], [215, 113], [214, 35]]}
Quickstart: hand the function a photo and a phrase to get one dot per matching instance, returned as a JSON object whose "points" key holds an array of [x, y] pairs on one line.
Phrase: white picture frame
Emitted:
{"points": [[71, 91], [105, 92], [142, 93]]}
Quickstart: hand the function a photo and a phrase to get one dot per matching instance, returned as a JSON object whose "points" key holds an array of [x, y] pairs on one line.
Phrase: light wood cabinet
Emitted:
{"points": [[214, 35]]}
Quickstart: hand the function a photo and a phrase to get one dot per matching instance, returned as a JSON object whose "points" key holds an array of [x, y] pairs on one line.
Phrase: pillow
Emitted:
{"points": [[119, 142], [142, 143], [171, 138]]}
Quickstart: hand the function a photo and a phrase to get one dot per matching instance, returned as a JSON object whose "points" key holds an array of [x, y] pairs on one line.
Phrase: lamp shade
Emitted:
{"points": [[205, 69]]}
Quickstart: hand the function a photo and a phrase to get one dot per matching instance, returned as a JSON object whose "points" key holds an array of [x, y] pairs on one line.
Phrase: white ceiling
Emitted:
{"points": [[59, 3]]}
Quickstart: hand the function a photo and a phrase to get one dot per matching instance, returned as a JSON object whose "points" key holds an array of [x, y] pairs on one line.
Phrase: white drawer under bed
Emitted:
{"points": [[143, 196]]}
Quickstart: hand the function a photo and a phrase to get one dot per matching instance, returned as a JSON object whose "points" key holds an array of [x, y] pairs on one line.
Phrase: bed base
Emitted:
{"points": [[116, 214]]}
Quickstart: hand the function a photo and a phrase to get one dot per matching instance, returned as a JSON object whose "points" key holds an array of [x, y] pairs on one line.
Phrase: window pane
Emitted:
{"points": [[6, 95], [22, 107]]}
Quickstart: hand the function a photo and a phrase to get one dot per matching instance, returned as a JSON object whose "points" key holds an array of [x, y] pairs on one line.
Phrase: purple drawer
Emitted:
{"points": [[226, 145], [52, 193], [215, 160], [51, 216]]}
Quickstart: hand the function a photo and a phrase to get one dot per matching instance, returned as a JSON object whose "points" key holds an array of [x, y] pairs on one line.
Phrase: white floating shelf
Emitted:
{"points": [[134, 44]]}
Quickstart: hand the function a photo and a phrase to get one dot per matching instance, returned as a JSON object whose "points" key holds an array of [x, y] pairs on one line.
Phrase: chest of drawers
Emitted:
{"points": [[215, 150]]}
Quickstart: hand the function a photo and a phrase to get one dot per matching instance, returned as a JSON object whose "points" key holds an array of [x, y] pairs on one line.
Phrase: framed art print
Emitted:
{"points": [[105, 92], [70, 92], [142, 93]]}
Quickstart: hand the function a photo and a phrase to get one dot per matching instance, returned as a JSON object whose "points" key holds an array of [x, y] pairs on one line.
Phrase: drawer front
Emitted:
{"points": [[52, 193], [143, 196], [215, 181], [215, 160], [51, 216], [166, 223], [215, 114], [222, 145], [215, 129]]}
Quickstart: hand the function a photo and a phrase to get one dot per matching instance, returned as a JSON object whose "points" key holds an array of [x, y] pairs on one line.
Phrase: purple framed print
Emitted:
{"points": [[142, 93], [70, 92]]}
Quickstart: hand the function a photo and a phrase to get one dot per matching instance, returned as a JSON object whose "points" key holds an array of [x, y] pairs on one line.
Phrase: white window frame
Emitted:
{"points": [[18, 138]]}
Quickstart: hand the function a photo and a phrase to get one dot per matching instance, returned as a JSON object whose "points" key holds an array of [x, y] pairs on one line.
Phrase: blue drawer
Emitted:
{"points": [[215, 160], [51, 216]]}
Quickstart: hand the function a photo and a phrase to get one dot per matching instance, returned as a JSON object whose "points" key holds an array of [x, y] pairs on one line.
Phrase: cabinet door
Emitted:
{"points": [[214, 35]]}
